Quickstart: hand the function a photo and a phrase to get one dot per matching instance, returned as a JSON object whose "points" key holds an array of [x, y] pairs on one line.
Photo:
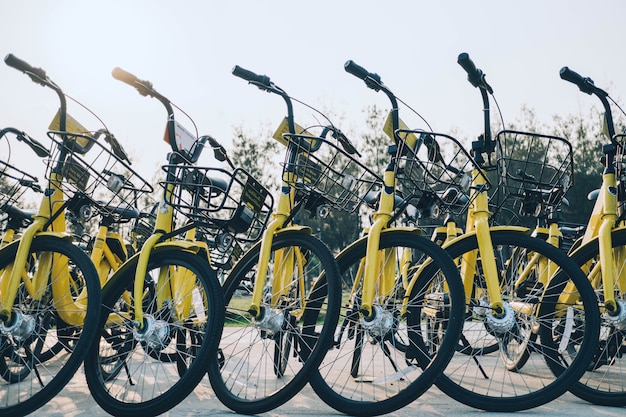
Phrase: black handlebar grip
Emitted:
{"points": [[474, 75], [467, 64], [356, 70], [20, 65], [251, 76], [124, 76], [584, 83]]}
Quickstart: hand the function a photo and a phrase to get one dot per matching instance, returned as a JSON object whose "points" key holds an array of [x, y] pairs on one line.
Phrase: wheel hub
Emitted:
{"points": [[380, 323], [271, 320], [503, 324], [20, 327], [617, 320], [155, 333]]}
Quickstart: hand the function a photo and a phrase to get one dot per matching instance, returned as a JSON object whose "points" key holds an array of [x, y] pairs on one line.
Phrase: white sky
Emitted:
{"points": [[188, 48]]}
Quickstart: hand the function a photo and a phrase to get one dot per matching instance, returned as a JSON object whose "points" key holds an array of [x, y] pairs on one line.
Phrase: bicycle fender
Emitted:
{"points": [[297, 228], [618, 228], [190, 246], [594, 241], [132, 261], [414, 230], [60, 235], [518, 229]]}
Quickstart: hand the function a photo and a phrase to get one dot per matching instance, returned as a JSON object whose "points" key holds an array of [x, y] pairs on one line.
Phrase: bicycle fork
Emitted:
{"points": [[478, 222]]}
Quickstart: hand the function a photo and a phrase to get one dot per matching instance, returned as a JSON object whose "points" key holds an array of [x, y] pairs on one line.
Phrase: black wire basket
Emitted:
{"points": [[436, 166], [86, 167], [224, 204], [322, 169], [535, 171], [14, 183]]}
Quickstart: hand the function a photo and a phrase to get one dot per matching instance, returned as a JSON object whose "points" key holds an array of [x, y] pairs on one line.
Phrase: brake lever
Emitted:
{"points": [[219, 152], [116, 147], [345, 142], [37, 147]]}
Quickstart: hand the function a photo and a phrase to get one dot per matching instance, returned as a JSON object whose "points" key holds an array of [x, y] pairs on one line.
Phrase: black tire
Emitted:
{"points": [[482, 380], [42, 381], [243, 375], [374, 370], [122, 367], [604, 383]]}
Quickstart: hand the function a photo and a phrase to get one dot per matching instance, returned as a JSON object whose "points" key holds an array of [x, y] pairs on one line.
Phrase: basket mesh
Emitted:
{"points": [[437, 164], [219, 201], [320, 168], [98, 174], [535, 171], [13, 184]]}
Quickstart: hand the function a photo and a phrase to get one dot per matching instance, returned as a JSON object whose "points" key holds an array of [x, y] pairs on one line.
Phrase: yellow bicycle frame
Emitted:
{"points": [[602, 222], [50, 206]]}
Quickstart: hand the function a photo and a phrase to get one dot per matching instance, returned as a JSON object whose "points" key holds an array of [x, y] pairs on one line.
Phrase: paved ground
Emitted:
{"points": [[74, 400]]}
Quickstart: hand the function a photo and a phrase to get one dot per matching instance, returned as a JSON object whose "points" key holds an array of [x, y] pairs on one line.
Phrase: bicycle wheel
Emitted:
{"points": [[254, 372], [53, 319], [604, 383], [379, 366], [562, 311], [148, 371]]}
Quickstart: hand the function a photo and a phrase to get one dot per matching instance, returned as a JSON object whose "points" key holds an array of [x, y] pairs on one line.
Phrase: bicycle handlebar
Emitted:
{"points": [[142, 86], [261, 81], [372, 80], [146, 89], [585, 84], [356, 70], [38, 75], [21, 136], [474, 75]]}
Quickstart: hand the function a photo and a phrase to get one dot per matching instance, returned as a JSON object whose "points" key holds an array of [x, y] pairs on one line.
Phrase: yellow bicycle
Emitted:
{"points": [[601, 252], [402, 291], [516, 285], [283, 295], [49, 290], [163, 309]]}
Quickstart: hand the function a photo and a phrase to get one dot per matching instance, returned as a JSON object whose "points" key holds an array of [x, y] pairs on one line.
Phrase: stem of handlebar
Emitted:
{"points": [[489, 146], [586, 85], [145, 88], [476, 77], [373, 81], [263, 82]]}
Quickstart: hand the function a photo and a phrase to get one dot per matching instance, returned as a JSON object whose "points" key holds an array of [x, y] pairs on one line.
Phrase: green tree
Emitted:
{"points": [[257, 154], [374, 142]]}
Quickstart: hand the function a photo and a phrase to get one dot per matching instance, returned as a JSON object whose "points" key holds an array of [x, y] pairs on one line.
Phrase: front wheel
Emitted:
{"points": [[381, 364], [560, 309], [147, 370], [52, 323], [264, 361], [604, 383]]}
